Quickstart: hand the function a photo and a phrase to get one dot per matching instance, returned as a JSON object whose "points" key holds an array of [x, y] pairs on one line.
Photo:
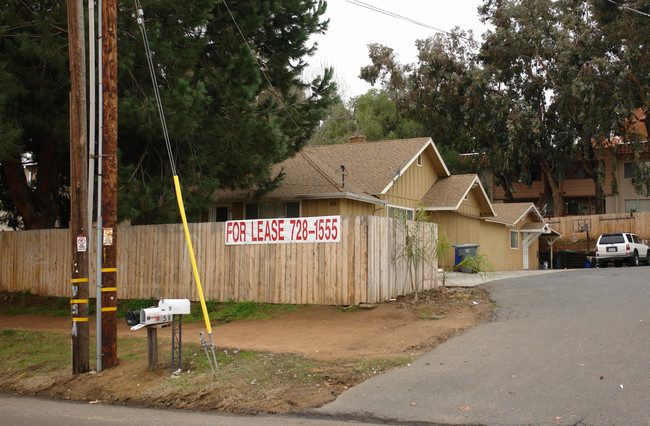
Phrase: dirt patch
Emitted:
{"points": [[333, 338]]}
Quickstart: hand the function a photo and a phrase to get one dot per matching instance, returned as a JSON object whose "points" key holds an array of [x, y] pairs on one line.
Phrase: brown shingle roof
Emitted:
{"points": [[370, 168], [448, 192], [511, 213]]}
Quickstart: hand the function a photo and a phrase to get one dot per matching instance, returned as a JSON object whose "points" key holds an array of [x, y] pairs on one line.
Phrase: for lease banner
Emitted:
{"points": [[323, 229]]}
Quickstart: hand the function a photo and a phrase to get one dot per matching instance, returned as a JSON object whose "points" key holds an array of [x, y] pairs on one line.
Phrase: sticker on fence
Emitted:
{"points": [[324, 229]]}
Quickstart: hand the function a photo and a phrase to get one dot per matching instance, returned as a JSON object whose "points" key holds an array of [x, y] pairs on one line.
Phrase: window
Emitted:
{"points": [[419, 161], [637, 205], [628, 171], [293, 209], [612, 239], [252, 211], [400, 213], [220, 213], [272, 210], [514, 239]]}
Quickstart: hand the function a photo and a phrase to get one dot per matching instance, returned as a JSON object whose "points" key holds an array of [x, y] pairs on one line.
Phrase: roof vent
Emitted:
{"points": [[358, 138]]}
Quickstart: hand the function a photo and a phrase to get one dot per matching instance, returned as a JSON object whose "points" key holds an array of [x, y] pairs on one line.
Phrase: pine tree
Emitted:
{"points": [[229, 74]]}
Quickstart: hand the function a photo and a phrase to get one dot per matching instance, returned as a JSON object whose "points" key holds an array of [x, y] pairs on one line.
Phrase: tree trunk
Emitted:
{"points": [[599, 197], [558, 199], [37, 207]]}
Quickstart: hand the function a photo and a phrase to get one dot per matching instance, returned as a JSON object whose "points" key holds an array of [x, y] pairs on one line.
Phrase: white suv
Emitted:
{"points": [[618, 247]]}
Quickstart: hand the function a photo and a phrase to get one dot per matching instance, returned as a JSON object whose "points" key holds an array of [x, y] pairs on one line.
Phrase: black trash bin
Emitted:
{"points": [[463, 251]]}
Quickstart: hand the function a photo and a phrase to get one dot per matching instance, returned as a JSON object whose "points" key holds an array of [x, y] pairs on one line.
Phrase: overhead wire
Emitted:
{"points": [[629, 8], [207, 345], [413, 21], [152, 73], [275, 93]]}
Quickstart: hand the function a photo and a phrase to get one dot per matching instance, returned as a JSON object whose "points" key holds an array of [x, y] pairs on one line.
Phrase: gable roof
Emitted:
{"points": [[512, 213], [371, 168], [448, 193]]}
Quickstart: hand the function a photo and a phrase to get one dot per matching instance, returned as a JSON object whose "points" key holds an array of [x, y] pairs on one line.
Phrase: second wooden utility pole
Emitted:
{"points": [[78, 189], [109, 184]]}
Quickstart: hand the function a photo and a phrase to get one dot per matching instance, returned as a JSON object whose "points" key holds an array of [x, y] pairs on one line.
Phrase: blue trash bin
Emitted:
{"points": [[463, 251]]}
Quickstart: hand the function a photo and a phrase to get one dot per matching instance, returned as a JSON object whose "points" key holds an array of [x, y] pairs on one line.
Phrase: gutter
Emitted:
{"points": [[327, 196]]}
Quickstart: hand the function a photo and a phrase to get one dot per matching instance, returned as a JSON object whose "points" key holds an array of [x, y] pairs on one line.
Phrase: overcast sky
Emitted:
{"points": [[352, 28]]}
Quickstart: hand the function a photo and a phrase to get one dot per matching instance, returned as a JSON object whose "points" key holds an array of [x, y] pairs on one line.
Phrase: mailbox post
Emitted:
{"points": [[167, 313]]}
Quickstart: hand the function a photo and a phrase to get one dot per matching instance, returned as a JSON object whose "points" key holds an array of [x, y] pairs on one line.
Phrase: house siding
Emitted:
{"points": [[458, 230], [470, 206], [327, 207], [493, 240], [495, 244], [414, 182], [626, 191]]}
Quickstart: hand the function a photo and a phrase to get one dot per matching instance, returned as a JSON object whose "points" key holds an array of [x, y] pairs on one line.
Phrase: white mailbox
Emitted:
{"points": [[162, 314], [174, 306]]}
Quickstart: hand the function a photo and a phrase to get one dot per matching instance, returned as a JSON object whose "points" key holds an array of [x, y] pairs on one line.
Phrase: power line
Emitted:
{"points": [[404, 18], [499, 47], [274, 91], [629, 8]]}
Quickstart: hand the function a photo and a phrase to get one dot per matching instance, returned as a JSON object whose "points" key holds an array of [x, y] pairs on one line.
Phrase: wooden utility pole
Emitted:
{"points": [[78, 188], [109, 184]]}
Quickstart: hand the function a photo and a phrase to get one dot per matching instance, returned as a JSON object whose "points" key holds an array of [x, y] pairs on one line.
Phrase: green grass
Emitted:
{"points": [[17, 303], [243, 368], [20, 303], [33, 351]]}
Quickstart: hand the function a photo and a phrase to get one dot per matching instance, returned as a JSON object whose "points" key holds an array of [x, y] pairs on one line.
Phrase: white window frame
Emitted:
{"points": [[418, 162], [512, 232], [409, 212]]}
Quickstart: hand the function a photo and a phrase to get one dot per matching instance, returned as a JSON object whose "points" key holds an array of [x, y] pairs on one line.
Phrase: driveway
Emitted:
{"points": [[568, 347]]}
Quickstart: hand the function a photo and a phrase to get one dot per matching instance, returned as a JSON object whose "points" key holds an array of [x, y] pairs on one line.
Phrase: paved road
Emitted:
{"points": [[26, 411], [571, 347], [568, 347]]}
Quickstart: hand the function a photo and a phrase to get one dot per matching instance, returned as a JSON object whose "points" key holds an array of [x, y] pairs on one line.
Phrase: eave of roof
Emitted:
{"points": [[440, 163], [512, 213], [322, 196], [447, 194]]}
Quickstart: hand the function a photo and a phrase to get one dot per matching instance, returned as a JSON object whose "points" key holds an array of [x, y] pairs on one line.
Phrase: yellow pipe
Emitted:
{"points": [[179, 197]]}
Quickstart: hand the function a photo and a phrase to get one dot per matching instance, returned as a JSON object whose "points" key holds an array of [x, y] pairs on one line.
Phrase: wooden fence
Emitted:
{"points": [[153, 261], [637, 223]]}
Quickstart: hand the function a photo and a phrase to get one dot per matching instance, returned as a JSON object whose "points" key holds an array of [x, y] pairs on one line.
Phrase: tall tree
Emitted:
{"points": [[585, 73], [34, 113], [229, 74], [231, 87], [626, 36], [520, 56]]}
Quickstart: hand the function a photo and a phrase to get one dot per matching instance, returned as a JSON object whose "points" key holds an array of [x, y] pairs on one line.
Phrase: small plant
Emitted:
{"points": [[420, 244]]}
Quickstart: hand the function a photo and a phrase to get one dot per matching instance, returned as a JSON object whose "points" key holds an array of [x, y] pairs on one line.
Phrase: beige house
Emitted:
{"points": [[391, 178]]}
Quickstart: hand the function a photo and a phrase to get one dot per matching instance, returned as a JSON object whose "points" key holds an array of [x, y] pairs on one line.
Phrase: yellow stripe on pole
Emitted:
{"points": [[113, 309], [179, 197], [80, 319], [73, 301], [109, 269], [79, 280], [109, 289]]}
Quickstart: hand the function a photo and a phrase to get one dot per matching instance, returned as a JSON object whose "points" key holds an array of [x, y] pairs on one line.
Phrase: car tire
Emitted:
{"points": [[635, 259], [647, 257]]}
